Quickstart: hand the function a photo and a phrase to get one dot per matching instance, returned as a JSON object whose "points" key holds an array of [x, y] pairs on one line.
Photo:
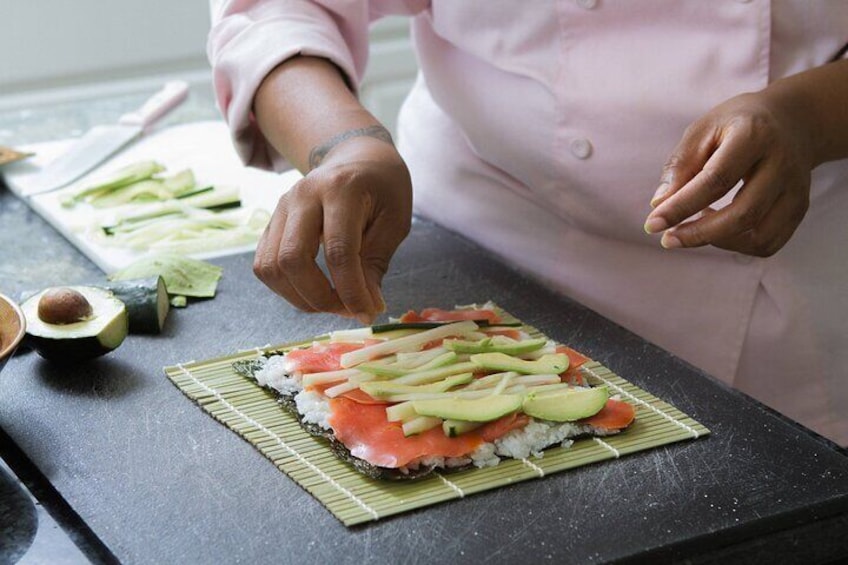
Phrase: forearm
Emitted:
{"points": [[817, 98], [304, 108]]}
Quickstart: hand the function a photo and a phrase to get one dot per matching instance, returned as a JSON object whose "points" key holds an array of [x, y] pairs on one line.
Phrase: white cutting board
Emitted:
{"points": [[203, 147]]}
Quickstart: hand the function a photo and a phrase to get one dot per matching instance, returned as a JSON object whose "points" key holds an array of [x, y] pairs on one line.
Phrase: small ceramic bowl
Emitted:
{"points": [[12, 328]]}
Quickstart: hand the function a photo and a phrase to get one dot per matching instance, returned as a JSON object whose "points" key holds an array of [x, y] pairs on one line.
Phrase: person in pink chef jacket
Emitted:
{"points": [[556, 134]]}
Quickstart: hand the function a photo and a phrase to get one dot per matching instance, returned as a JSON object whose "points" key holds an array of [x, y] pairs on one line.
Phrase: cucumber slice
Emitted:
{"points": [[546, 364], [213, 198], [180, 183], [145, 190], [190, 193], [382, 389], [420, 424], [405, 344], [397, 370], [453, 428], [125, 176], [382, 369], [402, 412], [433, 375], [495, 345], [418, 358]]}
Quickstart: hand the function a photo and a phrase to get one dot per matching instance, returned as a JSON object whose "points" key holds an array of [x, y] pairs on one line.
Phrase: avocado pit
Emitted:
{"points": [[63, 306]]}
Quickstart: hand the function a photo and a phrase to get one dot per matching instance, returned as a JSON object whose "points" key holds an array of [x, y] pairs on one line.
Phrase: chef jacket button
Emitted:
{"points": [[581, 148], [587, 4]]}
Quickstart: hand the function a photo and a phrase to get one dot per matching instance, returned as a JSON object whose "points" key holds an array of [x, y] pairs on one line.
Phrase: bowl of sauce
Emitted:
{"points": [[12, 328]]}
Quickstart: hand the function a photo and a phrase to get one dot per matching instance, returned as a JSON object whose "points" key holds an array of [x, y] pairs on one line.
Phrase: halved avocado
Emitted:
{"points": [[75, 323]]}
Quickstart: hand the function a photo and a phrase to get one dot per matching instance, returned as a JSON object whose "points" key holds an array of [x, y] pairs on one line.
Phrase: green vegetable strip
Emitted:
{"points": [[408, 343]]}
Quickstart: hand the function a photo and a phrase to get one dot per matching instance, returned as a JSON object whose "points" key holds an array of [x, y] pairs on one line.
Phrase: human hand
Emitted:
{"points": [[358, 204], [751, 139]]}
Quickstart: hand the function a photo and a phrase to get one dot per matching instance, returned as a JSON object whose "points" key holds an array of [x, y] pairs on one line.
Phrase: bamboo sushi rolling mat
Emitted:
{"points": [[253, 412]]}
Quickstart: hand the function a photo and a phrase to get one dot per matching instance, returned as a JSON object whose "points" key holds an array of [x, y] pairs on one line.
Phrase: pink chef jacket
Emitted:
{"points": [[539, 130]]}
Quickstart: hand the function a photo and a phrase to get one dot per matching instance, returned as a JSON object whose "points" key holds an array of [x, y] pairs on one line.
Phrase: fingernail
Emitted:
{"points": [[655, 224], [670, 241], [377, 297], [365, 319], [658, 195]]}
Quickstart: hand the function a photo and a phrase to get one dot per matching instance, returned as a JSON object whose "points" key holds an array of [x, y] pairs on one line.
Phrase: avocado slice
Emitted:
{"points": [[546, 364], [75, 323], [565, 406], [380, 389], [470, 410], [495, 344]]}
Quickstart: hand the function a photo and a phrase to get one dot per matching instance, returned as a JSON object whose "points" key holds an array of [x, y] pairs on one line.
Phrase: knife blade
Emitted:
{"points": [[101, 142]]}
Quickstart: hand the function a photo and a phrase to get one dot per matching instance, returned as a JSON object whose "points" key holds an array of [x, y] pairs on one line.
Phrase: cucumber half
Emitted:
{"points": [[98, 333], [146, 301]]}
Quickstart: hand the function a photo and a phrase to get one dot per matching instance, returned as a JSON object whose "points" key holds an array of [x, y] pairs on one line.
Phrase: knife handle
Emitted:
{"points": [[171, 96]]}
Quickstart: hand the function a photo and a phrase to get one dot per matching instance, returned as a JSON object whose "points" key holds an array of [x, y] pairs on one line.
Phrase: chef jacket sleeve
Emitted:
{"points": [[249, 38]]}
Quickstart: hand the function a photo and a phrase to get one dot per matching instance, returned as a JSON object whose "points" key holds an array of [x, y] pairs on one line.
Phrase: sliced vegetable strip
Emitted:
{"points": [[408, 343]]}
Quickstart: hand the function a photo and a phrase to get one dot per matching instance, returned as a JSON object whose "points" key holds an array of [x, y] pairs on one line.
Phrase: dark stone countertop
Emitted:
{"points": [[137, 472]]}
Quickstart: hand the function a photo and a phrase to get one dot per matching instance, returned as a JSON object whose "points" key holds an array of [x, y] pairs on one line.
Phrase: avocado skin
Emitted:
{"points": [[73, 350]]}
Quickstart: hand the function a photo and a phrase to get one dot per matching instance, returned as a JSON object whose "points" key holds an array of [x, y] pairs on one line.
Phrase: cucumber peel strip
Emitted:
{"points": [[183, 275]]}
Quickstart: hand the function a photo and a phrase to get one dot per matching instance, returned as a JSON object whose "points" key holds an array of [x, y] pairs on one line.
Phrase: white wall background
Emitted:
{"points": [[54, 43], [63, 47]]}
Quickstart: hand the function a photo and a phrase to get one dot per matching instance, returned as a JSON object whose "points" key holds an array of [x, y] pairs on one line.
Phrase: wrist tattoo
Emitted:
{"points": [[319, 152]]}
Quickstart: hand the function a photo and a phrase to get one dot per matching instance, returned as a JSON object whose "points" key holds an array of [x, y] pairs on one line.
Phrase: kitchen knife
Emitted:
{"points": [[100, 142]]}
